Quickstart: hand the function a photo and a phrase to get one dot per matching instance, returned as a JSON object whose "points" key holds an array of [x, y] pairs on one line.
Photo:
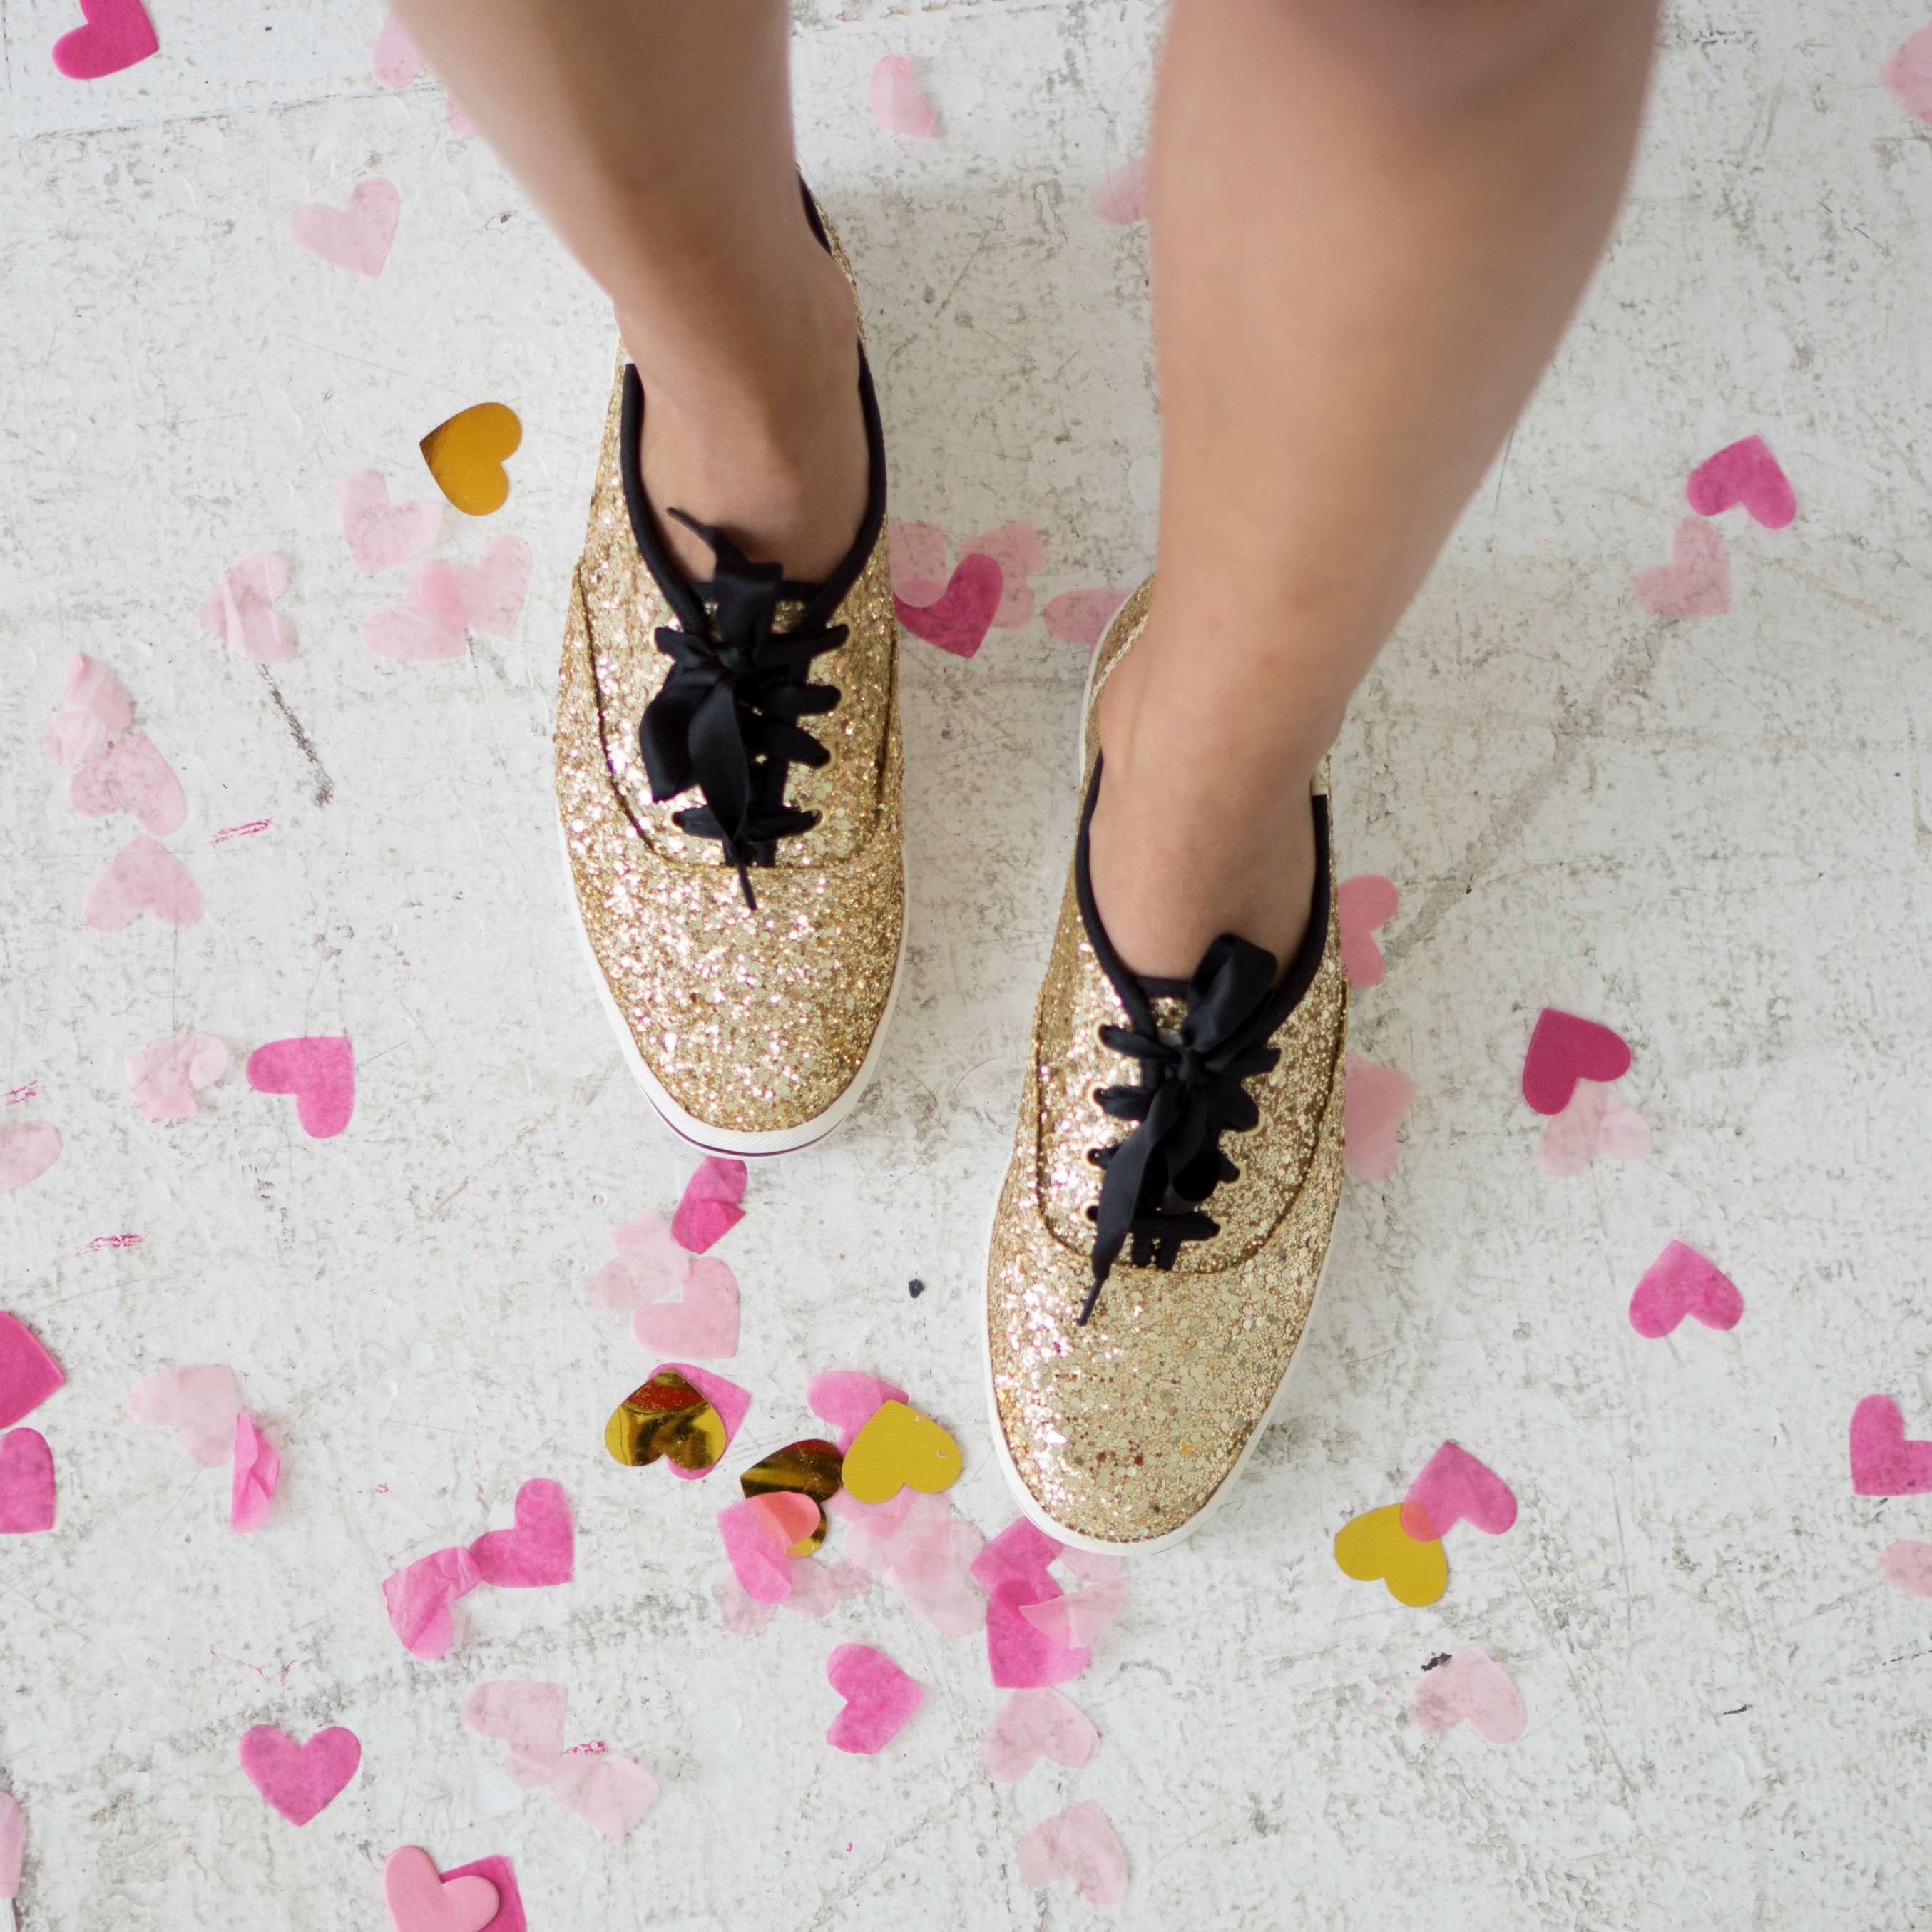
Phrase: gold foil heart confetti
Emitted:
{"points": [[810, 1471], [667, 1416], [466, 455]]}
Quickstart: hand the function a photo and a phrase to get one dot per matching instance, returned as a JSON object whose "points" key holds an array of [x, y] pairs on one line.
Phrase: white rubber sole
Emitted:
{"points": [[701, 1133]]}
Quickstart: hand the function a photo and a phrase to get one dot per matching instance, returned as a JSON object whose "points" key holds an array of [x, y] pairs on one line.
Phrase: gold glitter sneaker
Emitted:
{"points": [[732, 826], [1166, 1215]]}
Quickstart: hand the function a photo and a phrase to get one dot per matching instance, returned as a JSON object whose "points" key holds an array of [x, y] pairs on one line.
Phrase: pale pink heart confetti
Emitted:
{"points": [[1122, 197], [1907, 75], [456, 118], [94, 708], [427, 626], [1362, 905], [420, 1899], [257, 1470], [703, 1322], [917, 554], [741, 1613], [1090, 1566], [1471, 1687], [299, 1780], [916, 1544], [818, 1589], [848, 1399], [709, 1207], [356, 237], [165, 1078], [142, 877], [319, 1069], [13, 1845], [649, 1265], [758, 1553], [29, 1374], [1697, 581], [1907, 1566], [541, 1550], [1082, 617], [526, 1717], [26, 1152], [382, 535], [494, 587], [1375, 1103], [1034, 1724], [1016, 549], [130, 775], [26, 1483], [611, 1795], [898, 106], [200, 1403], [240, 610], [1595, 1122], [879, 1698], [1077, 1619], [1078, 1843], [421, 1597], [1454, 1487], [394, 60]]}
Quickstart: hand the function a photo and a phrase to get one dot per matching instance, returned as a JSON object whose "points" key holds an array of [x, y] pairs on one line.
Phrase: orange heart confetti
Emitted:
{"points": [[897, 1446], [1375, 1546], [466, 455]]}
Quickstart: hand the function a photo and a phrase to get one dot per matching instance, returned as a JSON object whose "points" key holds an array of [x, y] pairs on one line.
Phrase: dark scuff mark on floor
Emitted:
{"points": [[325, 785]]}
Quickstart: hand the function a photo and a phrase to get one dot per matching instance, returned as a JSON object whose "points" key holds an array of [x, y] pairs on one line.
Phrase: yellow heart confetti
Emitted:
{"points": [[465, 456], [812, 1469], [897, 1446], [668, 1417], [1376, 1545]]}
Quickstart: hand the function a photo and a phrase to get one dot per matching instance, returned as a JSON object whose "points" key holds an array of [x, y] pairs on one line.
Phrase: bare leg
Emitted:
{"points": [[656, 136], [1371, 221]]}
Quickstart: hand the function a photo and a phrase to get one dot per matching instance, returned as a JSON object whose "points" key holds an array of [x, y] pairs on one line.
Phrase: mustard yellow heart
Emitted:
{"points": [[465, 456], [1376, 1545], [897, 1446]]}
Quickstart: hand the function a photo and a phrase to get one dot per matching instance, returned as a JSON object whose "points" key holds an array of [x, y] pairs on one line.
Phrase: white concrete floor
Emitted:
{"points": [[1713, 835]]}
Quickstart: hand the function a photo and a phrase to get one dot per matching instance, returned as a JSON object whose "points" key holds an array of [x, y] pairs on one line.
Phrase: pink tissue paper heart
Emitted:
{"points": [[1077, 1843], [94, 708], [1884, 1463], [1697, 581], [1034, 1724], [1907, 75], [787, 1517], [420, 1596], [394, 60], [611, 1795], [13, 1845], [319, 1069], [26, 1483], [726, 1397], [240, 610], [1078, 1617], [428, 625], [1362, 905], [29, 1374], [299, 1780], [1907, 1567], [957, 621], [119, 35], [710, 1205], [493, 588], [848, 1399], [198, 1403], [130, 775], [381, 534], [1679, 1282], [1375, 1103], [141, 878], [1743, 473], [915, 1543], [1122, 197], [356, 237], [257, 1470], [1090, 1566], [1595, 1122], [1016, 549], [1453, 1487], [1082, 617], [739, 1612], [1020, 1655], [421, 1899], [818, 1589], [897, 106], [527, 1717], [1564, 1049], [879, 1698], [26, 1152], [758, 1558], [917, 554], [649, 1266], [1020, 1553], [1471, 1687], [165, 1078], [703, 1322], [541, 1550]]}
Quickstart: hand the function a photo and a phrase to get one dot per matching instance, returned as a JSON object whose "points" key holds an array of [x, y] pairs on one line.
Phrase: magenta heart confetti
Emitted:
{"points": [[299, 1780], [1564, 1049], [709, 1206], [1453, 1487], [29, 1374], [958, 620], [320, 1070], [1884, 1463], [1015, 548], [1020, 1553], [879, 1698], [257, 1470], [1020, 1655], [502, 1875], [422, 1899], [26, 1483], [1743, 473], [541, 1550], [420, 1598], [118, 34], [1679, 1282]]}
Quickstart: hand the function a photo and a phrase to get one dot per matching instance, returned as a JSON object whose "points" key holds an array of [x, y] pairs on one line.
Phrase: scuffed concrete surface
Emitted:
{"points": [[1714, 834]]}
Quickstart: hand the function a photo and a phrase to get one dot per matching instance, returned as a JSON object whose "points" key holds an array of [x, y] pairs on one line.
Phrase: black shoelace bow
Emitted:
{"points": [[1191, 1091], [724, 720]]}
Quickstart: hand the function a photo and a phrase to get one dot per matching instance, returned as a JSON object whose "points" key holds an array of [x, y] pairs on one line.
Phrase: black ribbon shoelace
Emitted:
{"points": [[725, 720], [1191, 1092]]}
